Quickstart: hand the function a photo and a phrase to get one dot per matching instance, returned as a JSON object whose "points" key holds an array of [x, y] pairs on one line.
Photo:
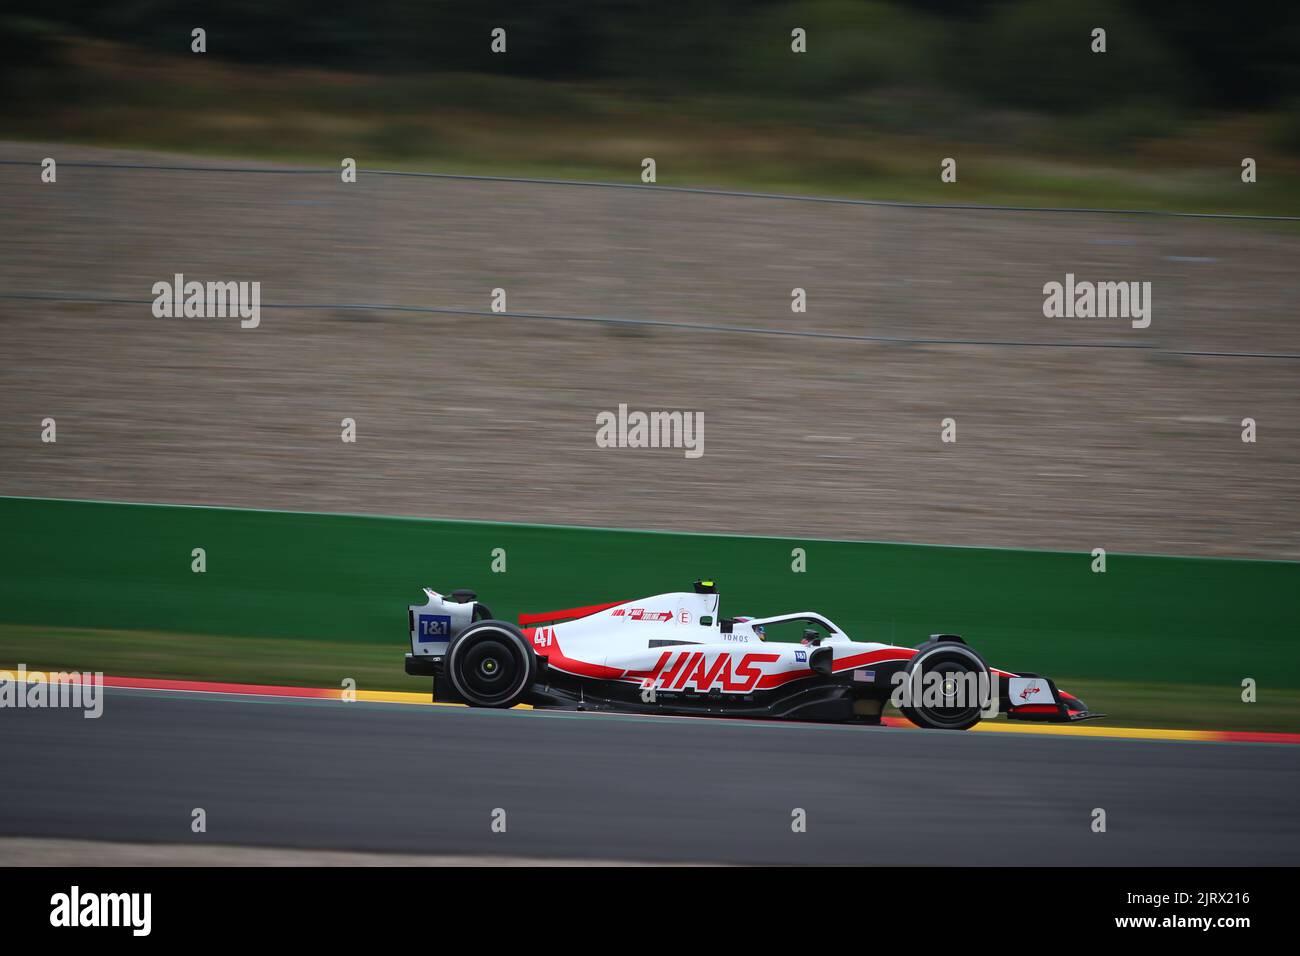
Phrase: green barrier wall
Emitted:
{"points": [[349, 578]]}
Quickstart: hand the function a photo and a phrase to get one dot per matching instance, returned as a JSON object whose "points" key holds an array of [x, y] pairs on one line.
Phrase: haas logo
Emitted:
{"points": [[1030, 690], [674, 671]]}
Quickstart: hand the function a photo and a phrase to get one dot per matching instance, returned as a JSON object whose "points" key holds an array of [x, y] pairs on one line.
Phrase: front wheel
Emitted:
{"points": [[947, 686], [491, 665]]}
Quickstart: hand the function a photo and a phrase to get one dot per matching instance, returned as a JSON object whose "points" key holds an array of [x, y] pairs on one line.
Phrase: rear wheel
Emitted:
{"points": [[951, 688], [491, 665]]}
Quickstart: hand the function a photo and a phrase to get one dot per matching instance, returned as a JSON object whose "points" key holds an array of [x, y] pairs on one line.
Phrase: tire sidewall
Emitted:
{"points": [[507, 634], [918, 715]]}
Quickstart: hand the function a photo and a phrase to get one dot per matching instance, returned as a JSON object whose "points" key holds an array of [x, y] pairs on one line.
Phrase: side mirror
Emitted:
{"points": [[811, 636]]}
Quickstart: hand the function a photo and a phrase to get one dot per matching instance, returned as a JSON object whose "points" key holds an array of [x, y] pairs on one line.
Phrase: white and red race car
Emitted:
{"points": [[674, 654]]}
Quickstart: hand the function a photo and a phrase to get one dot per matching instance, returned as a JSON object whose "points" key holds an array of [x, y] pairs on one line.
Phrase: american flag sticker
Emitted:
{"points": [[866, 677]]}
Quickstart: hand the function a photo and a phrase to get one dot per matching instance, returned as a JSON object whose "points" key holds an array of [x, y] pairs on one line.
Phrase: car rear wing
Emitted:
{"points": [[435, 623]]}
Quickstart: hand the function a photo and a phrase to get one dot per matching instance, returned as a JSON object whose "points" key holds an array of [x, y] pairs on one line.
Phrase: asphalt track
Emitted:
{"points": [[379, 777]]}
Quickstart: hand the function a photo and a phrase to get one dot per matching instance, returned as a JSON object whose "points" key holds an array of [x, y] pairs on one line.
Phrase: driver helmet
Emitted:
{"points": [[757, 628]]}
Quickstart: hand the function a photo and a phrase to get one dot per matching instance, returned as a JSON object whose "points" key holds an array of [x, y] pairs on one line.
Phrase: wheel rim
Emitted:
{"points": [[958, 684], [489, 669]]}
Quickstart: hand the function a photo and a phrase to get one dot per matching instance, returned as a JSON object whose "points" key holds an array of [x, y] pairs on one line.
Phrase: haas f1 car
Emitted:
{"points": [[674, 654]]}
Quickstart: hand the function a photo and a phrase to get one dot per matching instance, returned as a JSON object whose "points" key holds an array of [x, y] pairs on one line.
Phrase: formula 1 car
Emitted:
{"points": [[673, 654]]}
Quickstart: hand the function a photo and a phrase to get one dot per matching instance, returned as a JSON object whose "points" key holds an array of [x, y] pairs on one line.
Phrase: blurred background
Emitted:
{"points": [[487, 417], [711, 89]]}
